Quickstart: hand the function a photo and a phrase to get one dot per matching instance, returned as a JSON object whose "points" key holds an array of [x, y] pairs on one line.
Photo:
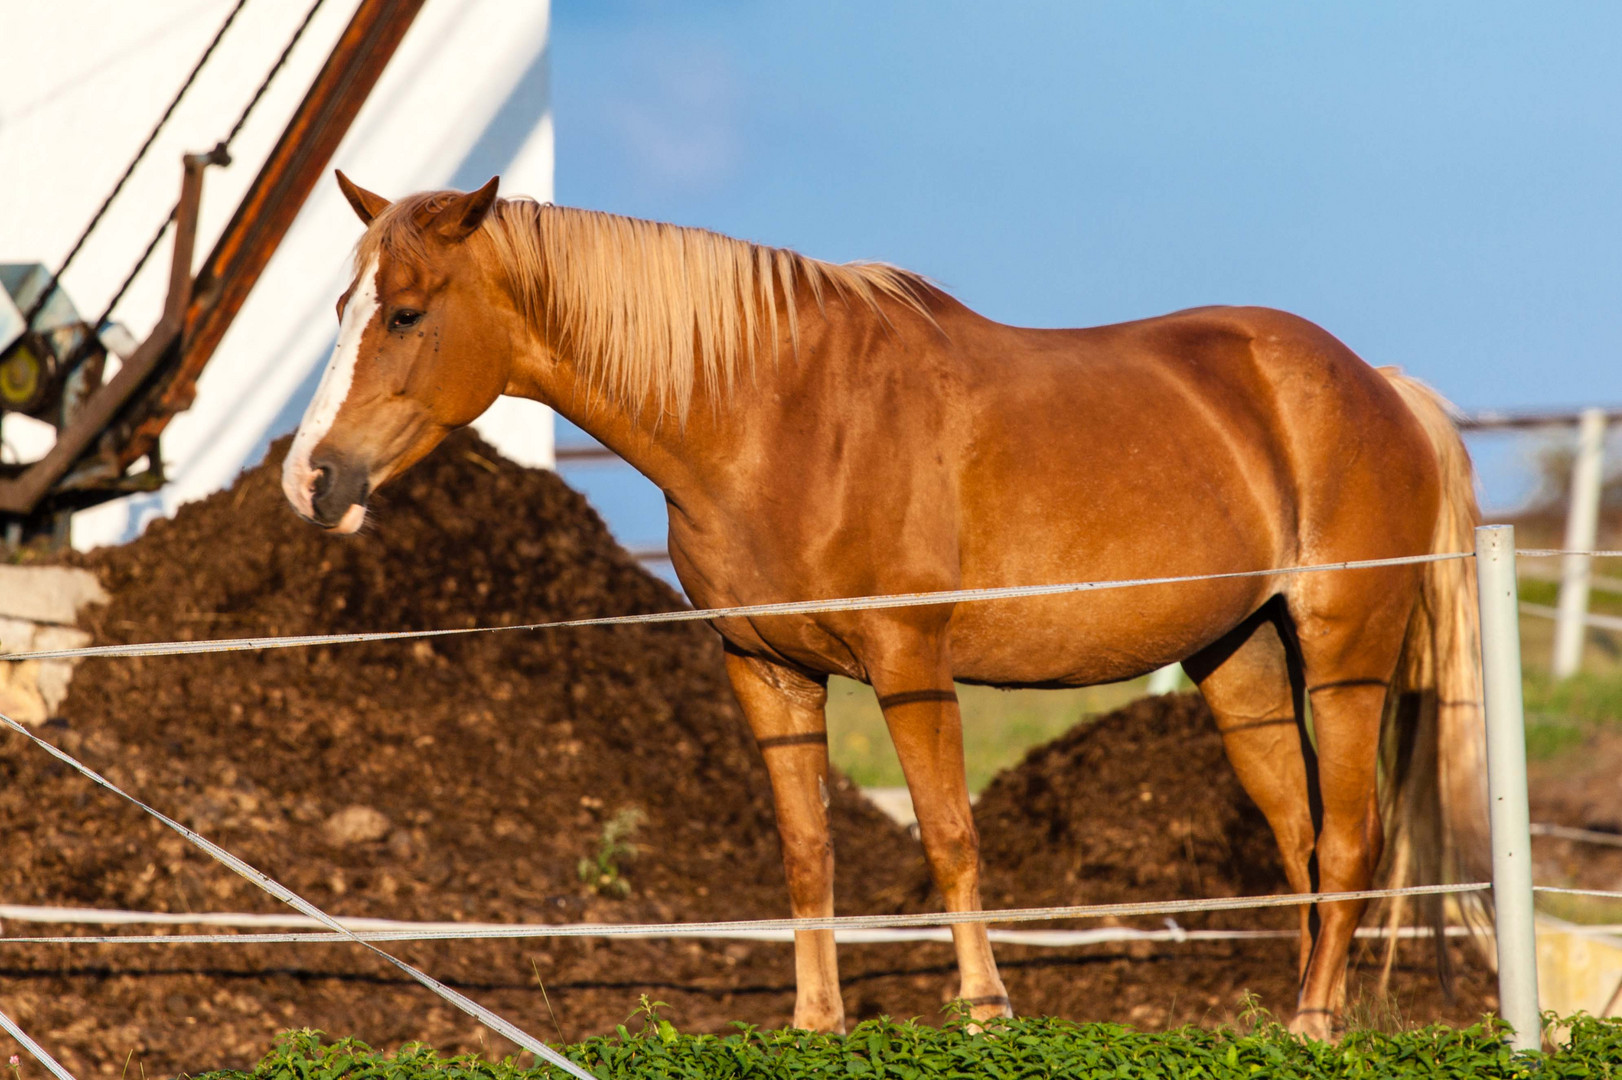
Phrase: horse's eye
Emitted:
{"points": [[403, 319]]}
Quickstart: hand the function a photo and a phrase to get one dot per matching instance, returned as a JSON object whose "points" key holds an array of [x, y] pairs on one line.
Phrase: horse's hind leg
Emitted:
{"points": [[913, 679], [1350, 628], [1247, 681], [785, 712]]}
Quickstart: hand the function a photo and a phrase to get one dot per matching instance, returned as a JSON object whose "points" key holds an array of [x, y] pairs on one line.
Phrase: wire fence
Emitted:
{"points": [[741, 611], [902, 927], [848, 930]]}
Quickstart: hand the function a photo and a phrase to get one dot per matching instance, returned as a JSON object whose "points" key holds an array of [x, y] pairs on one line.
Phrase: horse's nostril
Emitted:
{"points": [[322, 483]]}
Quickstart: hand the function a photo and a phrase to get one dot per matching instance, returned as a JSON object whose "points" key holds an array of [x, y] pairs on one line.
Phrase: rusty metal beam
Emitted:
{"points": [[285, 181], [123, 419], [21, 494]]}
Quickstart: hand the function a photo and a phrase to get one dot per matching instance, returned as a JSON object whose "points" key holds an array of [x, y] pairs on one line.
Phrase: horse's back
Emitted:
{"points": [[1221, 407], [1206, 441]]}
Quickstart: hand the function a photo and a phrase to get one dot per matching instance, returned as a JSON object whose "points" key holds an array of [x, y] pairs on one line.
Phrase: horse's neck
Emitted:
{"points": [[654, 442], [698, 452]]}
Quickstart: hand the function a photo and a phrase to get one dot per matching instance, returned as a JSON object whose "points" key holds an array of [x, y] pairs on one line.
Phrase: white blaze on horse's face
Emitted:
{"points": [[304, 481]]}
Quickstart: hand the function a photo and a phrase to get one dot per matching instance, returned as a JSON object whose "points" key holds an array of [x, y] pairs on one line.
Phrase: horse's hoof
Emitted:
{"points": [[1314, 1024]]}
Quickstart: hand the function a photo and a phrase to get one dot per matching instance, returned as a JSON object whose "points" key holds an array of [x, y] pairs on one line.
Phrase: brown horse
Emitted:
{"points": [[832, 431]]}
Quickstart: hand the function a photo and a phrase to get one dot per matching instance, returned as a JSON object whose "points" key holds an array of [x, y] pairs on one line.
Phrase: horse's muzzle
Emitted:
{"points": [[338, 493]]}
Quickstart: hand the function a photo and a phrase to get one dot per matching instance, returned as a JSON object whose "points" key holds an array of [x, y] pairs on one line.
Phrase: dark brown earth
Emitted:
{"points": [[1142, 804], [486, 766]]}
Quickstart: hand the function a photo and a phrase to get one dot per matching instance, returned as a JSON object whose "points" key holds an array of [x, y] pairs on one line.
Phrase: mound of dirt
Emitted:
{"points": [[1577, 788], [1140, 803], [465, 779]]}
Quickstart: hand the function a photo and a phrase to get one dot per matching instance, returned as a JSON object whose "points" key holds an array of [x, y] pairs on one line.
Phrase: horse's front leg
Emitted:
{"points": [[912, 676], [785, 711]]}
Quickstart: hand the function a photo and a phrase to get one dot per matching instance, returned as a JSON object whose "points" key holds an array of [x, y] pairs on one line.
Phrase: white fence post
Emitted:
{"points": [[1582, 530], [1506, 785]]}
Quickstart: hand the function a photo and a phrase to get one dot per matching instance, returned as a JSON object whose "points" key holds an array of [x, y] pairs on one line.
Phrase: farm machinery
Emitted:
{"points": [[108, 396]]}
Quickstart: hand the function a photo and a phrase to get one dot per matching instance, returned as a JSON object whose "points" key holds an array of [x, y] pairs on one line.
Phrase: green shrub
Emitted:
{"points": [[889, 1050]]}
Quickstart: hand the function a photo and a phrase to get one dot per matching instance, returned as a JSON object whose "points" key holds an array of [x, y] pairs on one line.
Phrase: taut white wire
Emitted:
{"points": [[399, 930], [304, 907], [452, 931], [794, 607], [41, 1055]]}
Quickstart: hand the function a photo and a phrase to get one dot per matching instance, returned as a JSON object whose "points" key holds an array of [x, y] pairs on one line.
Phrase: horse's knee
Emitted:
{"points": [[952, 846]]}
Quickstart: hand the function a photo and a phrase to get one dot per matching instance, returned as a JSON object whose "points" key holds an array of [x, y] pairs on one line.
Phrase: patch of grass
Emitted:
{"points": [[1602, 649], [1543, 591], [1560, 715], [1546, 740], [1587, 697], [998, 726], [1033, 1047]]}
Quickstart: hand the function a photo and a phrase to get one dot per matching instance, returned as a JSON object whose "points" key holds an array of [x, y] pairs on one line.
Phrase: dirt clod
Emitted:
{"points": [[355, 825]]}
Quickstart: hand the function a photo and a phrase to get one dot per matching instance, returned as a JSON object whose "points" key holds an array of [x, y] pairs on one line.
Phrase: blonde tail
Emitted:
{"points": [[1435, 797]]}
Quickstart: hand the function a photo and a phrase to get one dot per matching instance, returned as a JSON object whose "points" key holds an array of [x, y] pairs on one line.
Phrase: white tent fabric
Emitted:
{"points": [[464, 98]]}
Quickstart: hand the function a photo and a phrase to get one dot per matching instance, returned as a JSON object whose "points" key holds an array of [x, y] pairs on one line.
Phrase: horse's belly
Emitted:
{"points": [[1083, 639]]}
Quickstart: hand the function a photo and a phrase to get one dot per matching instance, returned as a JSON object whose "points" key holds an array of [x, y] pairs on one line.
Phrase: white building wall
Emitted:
{"points": [[464, 98]]}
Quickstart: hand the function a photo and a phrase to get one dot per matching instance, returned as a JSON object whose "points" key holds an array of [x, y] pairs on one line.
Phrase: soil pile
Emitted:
{"points": [[1142, 804], [1577, 788], [465, 778]]}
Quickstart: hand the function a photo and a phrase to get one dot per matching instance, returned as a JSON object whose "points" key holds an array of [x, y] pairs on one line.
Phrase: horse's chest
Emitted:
{"points": [[726, 576]]}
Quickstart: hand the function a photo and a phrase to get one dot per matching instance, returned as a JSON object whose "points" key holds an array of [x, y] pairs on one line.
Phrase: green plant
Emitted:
{"points": [[1025, 1047], [652, 1023], [602, 871]]}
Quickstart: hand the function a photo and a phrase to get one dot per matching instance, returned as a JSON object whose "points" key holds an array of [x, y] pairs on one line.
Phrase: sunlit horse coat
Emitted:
{"points": [[827, 431]]}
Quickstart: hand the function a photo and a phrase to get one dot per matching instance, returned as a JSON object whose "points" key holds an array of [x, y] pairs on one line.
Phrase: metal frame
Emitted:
{"points": [[123, 419]]}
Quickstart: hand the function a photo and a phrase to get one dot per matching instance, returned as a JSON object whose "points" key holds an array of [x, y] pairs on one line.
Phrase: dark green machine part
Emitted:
{"points": [[47, 367], [53, 365], [40, 363]]}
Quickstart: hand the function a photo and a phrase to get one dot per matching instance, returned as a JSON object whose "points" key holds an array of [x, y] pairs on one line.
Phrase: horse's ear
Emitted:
{"points": [[457, 219], [366, 204]]}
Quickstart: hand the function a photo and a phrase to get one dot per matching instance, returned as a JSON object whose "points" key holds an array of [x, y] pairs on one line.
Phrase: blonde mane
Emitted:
{"points": [[649, 311]]}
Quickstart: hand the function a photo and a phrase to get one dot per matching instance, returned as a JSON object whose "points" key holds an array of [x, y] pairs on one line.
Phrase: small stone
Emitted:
{"points": [[48, 594], [400, 845], [355, 825]]}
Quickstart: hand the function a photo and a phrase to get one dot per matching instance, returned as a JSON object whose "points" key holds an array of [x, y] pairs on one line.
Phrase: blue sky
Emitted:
{"points": [[1440, 185]]}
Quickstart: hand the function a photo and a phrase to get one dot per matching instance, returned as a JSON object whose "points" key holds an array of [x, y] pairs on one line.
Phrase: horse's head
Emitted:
{"points": [[423, 348]]}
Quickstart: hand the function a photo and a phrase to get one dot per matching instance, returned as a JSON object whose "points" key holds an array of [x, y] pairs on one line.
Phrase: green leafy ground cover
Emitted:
{"points": [[889, 1050]]}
